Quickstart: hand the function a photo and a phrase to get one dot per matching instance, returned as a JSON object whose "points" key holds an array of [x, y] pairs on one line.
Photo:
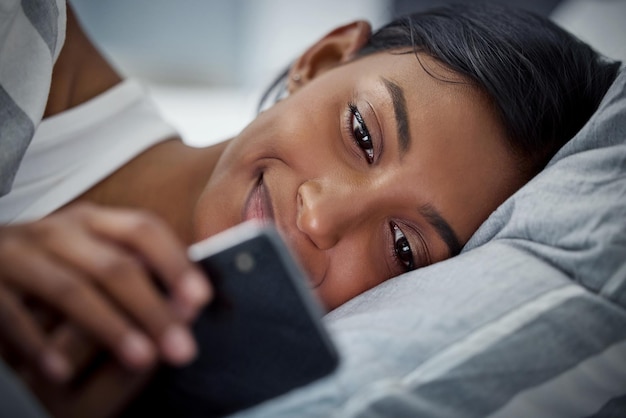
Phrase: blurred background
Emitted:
{"points": [[207, 62]]}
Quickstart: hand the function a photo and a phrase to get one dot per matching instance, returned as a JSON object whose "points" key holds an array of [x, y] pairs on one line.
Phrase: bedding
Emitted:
{"points": [[530, 319], [31, 36]]}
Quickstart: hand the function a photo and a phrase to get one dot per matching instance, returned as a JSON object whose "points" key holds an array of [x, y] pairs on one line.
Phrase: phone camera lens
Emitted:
{"points": [[244, 262]]}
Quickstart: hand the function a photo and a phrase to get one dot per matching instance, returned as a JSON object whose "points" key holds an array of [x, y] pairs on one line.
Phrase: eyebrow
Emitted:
{"points": [[402, 119], [443, 228]]}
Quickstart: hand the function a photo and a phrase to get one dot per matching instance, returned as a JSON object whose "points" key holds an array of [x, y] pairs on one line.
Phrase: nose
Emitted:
{"points": [[326, 211]]}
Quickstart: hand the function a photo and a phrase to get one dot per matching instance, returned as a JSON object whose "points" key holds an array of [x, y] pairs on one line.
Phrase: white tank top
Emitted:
{"points": [[74, 150]]}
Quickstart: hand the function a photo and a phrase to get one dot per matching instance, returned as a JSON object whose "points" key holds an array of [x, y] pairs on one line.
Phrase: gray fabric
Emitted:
{"points": [[16, 132], [428, 330], [572, 215], [15, 400], [615, 408], [25, 74], [528, 321], [43, 15], [544, 348]]}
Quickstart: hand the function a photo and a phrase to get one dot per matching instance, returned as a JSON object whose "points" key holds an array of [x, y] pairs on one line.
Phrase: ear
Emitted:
{"points": [[337, 47]]}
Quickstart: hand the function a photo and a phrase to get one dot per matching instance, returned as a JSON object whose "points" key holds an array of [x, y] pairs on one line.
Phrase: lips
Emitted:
{"points": [[258, 204]]}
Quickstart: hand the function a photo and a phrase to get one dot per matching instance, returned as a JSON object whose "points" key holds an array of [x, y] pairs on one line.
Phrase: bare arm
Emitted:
{"points": [[80, 73]]}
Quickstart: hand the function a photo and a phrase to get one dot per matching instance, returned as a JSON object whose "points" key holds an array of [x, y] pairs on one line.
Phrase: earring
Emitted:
{"points": [[296, 78]]}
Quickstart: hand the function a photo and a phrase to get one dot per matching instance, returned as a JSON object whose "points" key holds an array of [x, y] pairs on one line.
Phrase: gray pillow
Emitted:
{"points": [[530, 320]]}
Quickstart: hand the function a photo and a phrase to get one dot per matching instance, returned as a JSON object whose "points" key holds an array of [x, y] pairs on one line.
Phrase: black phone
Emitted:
{"points": [[261, 337]]}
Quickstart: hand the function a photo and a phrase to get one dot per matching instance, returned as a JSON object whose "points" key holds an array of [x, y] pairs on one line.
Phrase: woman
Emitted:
{"points": [[387, 154]]}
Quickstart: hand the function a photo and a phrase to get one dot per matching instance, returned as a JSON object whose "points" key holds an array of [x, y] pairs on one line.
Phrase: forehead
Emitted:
{"points": [[422, 78]]}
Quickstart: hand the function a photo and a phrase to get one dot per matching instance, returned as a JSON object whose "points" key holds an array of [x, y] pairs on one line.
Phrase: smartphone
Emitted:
{"points": [[261, 337]]}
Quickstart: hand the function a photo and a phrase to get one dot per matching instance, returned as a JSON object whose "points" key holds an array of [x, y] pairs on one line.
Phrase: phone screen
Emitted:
{"points": [[261, 336]]}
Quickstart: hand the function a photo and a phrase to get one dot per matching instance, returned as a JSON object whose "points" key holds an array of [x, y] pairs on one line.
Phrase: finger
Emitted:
{"points": [[127, 282], [75, 345], [104, 393], [161, 249], [62, 289], [25, 337], [44, 316], [110, 389]]}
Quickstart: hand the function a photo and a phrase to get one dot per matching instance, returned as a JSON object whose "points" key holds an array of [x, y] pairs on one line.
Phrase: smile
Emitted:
{"points": [[258, 204]]}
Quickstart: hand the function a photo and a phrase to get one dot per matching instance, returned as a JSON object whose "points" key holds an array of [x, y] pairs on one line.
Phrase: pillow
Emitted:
{"points": [[530, 320]]}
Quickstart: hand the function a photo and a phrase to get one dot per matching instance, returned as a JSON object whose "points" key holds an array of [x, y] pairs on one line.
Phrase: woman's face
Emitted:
{"points": [[368, 170]]}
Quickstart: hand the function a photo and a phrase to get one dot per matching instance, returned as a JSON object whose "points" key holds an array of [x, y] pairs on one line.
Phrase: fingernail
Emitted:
{"points": [[178, 345], [137, 350], [195, 288], [55, 366]]}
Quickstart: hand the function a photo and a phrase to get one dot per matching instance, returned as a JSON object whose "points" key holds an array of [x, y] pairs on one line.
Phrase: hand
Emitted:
{"points": [[102, 388], [94, 266]]}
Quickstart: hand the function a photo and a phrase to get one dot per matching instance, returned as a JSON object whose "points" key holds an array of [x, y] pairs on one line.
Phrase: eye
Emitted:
{"points": [[361, 135], [402, 248]]}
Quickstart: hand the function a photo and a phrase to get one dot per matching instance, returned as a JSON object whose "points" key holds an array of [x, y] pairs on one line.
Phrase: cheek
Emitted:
{"points": [[211, 216], [220, 203], [276, 133], [340, 288], [348, 276]]}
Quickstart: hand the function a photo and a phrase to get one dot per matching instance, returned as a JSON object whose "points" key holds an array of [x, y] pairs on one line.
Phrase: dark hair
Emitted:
{"points": [[544, 82]]}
